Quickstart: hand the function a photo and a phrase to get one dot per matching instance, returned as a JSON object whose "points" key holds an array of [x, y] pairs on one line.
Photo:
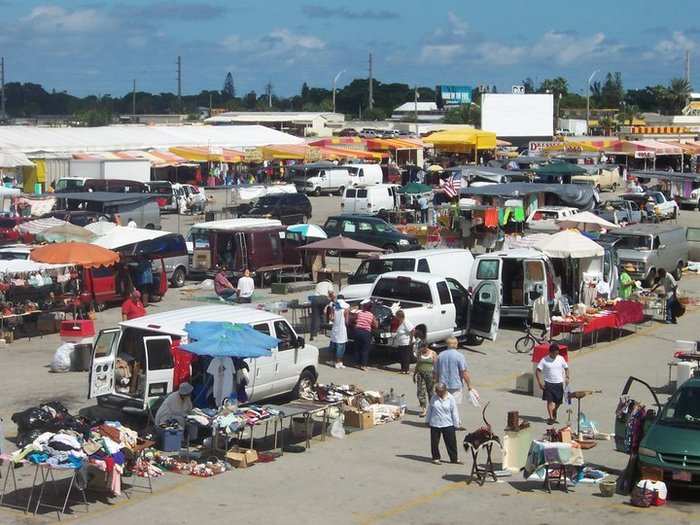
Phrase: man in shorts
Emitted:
{"points": [[552, 375]]}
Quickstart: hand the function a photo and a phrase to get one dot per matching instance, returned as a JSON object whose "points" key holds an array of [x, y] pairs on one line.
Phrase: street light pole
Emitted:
{"points": [[335, 81], [588, 99]]}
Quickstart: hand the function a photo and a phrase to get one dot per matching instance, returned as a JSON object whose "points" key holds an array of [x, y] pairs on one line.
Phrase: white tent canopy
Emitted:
{"points": [[14, 159], [586, 221], [135, 137], [120, 236], [40, 225], [13, 266], [570, 244]]}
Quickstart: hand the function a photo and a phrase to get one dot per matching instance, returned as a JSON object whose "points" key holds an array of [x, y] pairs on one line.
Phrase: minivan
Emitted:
{"points": [[142, 208], [649, 247], [370, 230], [671, 434], [147, 343], [453, 263], [370, 199], [526, 274]]}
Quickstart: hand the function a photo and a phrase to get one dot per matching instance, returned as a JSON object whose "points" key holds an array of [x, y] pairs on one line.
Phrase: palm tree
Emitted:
{"points": [[679, 91], [608, 124], [628, 113]]}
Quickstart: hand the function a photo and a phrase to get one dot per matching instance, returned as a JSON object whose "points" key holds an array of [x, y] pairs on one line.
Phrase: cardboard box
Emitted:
{"points": [[242, 458], [357, 419]]}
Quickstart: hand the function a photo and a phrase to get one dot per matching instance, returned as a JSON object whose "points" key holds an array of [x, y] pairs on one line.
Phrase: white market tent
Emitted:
{"points": [[14, 159], [14, 266], [40, 225], [570, 244], [27, 140], [586, 221], [119, 236]]}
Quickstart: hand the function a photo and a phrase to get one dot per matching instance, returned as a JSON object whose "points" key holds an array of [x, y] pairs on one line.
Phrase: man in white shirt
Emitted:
{"points": [[669, 285], [245, 287], [319, 301], [132, 224], [338, 313], [555, 371]]}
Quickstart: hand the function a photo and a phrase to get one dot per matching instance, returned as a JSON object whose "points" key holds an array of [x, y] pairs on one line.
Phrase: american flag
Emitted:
{"points": [[452, 185]]}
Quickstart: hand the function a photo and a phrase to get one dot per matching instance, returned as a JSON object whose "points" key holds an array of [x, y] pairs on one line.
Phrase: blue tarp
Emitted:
{"points": [[224, 339]]}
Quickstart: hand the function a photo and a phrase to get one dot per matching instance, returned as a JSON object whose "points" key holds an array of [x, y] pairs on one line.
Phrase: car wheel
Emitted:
{"points": [[614, 186], [678, 272], [150, 227], [307, 379], [474, 340], [597, 188], [317, 191], [389, 248], [178, 278]]}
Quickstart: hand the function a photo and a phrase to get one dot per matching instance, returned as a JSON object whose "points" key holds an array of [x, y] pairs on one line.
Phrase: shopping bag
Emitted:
{"points": [[474, 398]]}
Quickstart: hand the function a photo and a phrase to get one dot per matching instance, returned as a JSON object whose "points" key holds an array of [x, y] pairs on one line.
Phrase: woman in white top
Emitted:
{"points": [[403, 340], [337, 313]]}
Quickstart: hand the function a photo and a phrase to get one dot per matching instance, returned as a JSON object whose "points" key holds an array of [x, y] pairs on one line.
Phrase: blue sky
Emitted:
{"points": [[100, 46]]}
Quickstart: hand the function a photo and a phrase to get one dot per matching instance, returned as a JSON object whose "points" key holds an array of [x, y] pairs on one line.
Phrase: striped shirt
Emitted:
{"points": [[364, 321]]}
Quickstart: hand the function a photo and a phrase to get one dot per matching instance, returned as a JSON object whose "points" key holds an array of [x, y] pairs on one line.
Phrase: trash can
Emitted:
{"points": [[81, 358]]}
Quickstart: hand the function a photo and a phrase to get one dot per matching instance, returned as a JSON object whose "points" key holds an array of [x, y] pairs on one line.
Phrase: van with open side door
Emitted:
{"points": [[525, 274], [146, 346]]}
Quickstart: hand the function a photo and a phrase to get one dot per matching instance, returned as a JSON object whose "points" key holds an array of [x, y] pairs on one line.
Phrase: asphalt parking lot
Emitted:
{"points": [[381, 475]]}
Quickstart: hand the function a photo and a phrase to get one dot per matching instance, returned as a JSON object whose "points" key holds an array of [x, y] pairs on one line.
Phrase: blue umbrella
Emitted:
{"points": [[222, 339]]}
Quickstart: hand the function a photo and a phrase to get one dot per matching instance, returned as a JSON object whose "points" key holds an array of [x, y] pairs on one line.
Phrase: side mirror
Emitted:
{"points": [[301, 343]]}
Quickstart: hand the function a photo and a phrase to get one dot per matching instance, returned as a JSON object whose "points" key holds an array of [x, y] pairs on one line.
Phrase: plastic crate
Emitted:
{"points": [[170, 440], [78, 329]]}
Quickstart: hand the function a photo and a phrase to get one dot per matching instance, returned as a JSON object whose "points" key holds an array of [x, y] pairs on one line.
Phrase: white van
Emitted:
{"points": [[145, 343], [365, 174], [447, 263], [370, 199], [321, 177], [525, 274]]}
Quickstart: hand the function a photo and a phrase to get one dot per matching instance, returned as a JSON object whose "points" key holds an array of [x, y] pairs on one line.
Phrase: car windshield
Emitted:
{"points": [[683, 408], [69, 184], [634, 242], [368, 271]]}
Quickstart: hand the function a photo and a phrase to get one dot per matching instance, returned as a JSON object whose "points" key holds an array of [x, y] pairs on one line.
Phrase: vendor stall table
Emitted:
{"points": [[305, 409], [553, 458], [46, 472], [9, 474]]}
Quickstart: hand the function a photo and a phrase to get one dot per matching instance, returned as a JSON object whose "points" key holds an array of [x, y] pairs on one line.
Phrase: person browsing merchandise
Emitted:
{"points": [[552, 375], [669, 284], [338, 314], [451, 369], [443, 419]]}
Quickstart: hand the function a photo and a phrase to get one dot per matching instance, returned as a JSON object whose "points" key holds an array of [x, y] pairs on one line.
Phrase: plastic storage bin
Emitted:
{"points": [[170, 440]]}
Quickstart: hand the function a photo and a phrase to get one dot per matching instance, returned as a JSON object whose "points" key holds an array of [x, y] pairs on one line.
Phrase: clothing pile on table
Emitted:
{"points": [[50, 435], [632, 414], [543, 453], [230, 418]]}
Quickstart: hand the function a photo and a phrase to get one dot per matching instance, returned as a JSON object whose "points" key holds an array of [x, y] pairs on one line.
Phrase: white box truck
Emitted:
{"points": [[120, 169]]}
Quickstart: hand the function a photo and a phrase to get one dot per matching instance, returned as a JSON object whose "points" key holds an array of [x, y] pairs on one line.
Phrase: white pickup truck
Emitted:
{"points": [[439, 307]]}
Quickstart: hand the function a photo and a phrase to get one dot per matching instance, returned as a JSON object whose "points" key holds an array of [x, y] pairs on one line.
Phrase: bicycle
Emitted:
{"points": [[526, 343]]}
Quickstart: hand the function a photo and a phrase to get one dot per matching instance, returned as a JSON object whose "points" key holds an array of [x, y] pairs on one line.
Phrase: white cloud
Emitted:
{"points": [[678, 43], [568, 48], [289, 40], [440, 53], [49, 18]]}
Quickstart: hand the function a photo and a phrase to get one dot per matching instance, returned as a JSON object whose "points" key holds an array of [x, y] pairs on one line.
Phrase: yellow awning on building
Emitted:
{"points": [[463, 140], [209, 154], [571, 147]]}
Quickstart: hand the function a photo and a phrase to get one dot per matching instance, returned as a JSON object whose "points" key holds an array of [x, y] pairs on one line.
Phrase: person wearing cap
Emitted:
{"points": [[133, 308], [176, 406], [222, 286], [626, 282], [554, 369]]}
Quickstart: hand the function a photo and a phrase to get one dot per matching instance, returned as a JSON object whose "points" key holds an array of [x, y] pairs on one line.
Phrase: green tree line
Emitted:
{"points": [[28, 100]]}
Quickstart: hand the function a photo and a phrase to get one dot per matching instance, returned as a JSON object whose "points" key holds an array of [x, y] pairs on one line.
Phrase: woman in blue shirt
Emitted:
{"points": [[443, 419]]}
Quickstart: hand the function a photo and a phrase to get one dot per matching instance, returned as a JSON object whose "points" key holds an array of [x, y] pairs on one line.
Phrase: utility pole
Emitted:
{"points": [[133, 102], [415, 103], [335, 81], [3, 115], [210, 107], [268, 90], [179, 83], [687, 66], [371, 87]]}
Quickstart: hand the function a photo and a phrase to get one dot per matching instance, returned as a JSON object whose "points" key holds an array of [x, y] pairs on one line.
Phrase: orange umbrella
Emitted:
{"points": [[77, 253]]}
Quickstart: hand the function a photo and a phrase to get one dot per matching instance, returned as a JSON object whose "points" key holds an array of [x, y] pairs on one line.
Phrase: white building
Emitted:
{"points": [[420, 111], [303, 124]]}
